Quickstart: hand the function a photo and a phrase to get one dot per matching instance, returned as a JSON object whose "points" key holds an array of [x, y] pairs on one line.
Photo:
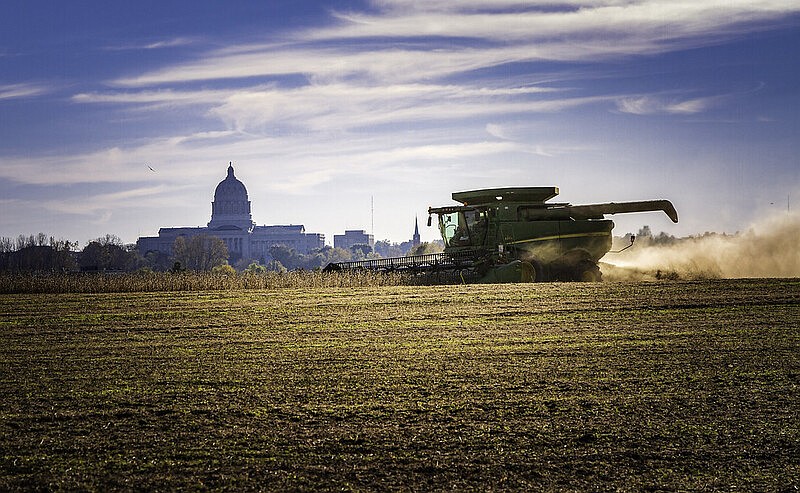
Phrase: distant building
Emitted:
{"points": [[353, 237], [232, 223], [415, 241]]}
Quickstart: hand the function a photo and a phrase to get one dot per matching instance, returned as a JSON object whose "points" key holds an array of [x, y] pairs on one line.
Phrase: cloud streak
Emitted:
{"points": [[382, 81], [505, 21], [17, 91], [652, 105], [153, 45], [349, 105], [580, 32]]}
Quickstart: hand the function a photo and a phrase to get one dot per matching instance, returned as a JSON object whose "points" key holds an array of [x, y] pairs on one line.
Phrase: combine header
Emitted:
{"points": [[514, 235]]}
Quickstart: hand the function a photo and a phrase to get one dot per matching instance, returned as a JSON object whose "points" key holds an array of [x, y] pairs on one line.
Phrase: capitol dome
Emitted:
{"points": [[230, 208]]}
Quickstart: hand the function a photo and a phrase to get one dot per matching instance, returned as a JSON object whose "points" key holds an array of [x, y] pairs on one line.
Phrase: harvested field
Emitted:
{"points": [[633, 386]]}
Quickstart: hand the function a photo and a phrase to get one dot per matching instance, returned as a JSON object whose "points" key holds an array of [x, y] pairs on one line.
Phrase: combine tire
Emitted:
{"points": [[588, 271], [527, 272]]}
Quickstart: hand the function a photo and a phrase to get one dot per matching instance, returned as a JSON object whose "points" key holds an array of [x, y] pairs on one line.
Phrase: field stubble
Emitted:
{"points": [[640, 386]]}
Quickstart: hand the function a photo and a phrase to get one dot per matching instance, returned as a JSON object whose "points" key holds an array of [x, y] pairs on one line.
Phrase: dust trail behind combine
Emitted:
{"points": [[770, 248]]}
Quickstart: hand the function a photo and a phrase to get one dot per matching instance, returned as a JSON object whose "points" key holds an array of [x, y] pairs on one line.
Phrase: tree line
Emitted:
{"points": [[44, 253]]}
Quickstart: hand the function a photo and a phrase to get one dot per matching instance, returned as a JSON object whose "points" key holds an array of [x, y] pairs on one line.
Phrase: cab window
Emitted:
{"points": [[476, 225], [463, 228]]}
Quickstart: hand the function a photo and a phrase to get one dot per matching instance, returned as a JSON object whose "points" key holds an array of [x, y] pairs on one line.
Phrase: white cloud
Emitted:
{"points": [[496, 130], [111, 165], [482, 5], [15, 91], [359, 88], [315, 91], [585, 31], [342, 106], [128, 196], [690, 106], [385, 65], [582, 31], [154, 45], [650, 105], [653, 20], [159, 97], [286, 164], [331, 64]]}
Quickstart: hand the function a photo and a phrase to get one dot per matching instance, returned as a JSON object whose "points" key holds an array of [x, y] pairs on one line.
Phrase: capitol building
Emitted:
{"points": [[232, 223]]}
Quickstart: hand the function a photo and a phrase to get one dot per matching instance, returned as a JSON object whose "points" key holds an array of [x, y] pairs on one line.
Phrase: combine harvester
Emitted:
{"points": [[514, 235]]}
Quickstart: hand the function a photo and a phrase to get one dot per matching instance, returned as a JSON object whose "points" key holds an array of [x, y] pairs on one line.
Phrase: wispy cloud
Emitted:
{"points": [[653, 20], [92, 204], [96, 208], [409, 68], [578, 31], [15, 91], [362, 86], [482, 5], [653, 104], [158, 97], [153, 45], [332, 64], [292, 163], [349, 105], [110, 165]]}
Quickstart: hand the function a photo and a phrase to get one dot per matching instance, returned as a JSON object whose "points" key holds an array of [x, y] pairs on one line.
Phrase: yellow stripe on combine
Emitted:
{"points": [[559, 237]]}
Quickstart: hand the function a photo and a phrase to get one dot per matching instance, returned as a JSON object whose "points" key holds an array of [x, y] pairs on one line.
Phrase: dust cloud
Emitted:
{"points": [[770, 248]]}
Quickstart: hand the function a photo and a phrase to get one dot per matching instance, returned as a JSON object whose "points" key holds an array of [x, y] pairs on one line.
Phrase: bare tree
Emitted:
{"points": [[6, 245], [200, 253], [110, 239], [36, 253]]}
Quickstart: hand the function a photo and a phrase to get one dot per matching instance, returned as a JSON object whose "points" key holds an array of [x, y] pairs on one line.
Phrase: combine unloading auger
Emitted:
{"points": [[514, 235]]}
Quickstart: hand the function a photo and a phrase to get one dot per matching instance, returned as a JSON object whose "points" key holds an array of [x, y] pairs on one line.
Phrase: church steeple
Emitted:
{"points": [[415, 240]]}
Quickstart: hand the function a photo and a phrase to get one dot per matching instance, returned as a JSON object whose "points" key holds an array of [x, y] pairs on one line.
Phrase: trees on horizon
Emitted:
{"points": [[200, 253]]}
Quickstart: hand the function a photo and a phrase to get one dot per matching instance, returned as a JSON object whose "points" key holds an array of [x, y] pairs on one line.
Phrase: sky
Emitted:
{"points": [[362, 114]]}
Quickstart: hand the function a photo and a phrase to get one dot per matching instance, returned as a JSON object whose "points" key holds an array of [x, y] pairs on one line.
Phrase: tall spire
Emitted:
{"points": [[416, 240], [230, 168]]}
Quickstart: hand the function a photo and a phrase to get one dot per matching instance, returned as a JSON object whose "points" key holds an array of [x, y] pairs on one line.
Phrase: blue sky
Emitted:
{"points": [[329, 110]]}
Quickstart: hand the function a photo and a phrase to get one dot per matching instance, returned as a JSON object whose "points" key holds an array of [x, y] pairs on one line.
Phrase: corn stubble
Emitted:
{"points": [[601, 386]]}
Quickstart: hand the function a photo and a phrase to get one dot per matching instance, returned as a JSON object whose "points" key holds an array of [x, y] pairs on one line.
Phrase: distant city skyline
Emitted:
{"points": [[117, 118]]}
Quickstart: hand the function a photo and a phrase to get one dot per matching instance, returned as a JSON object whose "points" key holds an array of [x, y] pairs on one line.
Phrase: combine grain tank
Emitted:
{"points": [[515, 235]]}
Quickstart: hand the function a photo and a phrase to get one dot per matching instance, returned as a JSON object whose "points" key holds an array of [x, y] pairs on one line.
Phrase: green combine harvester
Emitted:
{"points": [[513, 235]]}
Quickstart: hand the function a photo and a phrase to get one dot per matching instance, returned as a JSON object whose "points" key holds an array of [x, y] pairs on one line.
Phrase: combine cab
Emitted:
{"points": [[514, 235]]}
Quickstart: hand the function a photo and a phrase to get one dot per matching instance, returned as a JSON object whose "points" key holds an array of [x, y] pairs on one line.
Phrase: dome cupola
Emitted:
{"points": [[230, 208]]}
